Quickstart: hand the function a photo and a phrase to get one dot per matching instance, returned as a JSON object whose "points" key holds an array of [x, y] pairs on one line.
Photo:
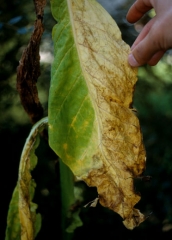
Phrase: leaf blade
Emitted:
{"points": [[109, 153]]}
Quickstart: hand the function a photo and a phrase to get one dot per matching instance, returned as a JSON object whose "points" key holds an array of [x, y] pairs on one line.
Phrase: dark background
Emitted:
{"points": [[152, 99]]}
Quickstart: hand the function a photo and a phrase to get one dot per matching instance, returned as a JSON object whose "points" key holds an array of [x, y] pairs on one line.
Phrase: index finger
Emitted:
{"points": [[138, 9], [143, 33]]}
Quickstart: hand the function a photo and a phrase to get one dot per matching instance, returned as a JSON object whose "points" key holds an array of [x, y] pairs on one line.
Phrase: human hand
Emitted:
{"points": [[156, 36]]}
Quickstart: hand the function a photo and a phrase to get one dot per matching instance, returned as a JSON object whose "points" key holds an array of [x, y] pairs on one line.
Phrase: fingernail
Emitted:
{"points": [[132, 61]]}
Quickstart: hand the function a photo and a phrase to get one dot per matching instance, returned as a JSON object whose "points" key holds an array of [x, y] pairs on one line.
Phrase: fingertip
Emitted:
{"points": [[132, 61]]}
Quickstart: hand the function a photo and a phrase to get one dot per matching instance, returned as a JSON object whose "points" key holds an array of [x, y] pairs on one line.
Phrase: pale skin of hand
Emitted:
{"points": [[156, 37]]}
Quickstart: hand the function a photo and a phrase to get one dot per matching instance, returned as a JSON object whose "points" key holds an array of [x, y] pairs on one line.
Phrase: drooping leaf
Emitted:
{"points": [[92, 127], [29, 220], [23, 223]]}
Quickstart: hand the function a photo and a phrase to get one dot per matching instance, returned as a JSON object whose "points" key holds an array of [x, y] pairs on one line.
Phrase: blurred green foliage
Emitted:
{"points": [[152, 99]]}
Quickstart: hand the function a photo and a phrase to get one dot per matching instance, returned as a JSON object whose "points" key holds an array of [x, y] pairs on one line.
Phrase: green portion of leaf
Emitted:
{"points": [[92, 127], [71, 107], [37, 224], [13, 230], [75, 221]]}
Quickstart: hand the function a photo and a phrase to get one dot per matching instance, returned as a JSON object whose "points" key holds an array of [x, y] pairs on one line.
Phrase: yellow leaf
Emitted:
{"points": [[92, 125], [111, 83]]}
